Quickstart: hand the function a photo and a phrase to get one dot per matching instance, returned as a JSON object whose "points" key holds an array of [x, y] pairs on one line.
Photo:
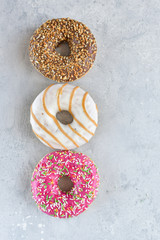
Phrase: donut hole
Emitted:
{"points": [[65, 184], [64, 117], [63, 48]]}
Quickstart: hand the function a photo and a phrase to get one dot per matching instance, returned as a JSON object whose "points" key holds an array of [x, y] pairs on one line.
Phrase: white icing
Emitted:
{"points": [[77, 110]]}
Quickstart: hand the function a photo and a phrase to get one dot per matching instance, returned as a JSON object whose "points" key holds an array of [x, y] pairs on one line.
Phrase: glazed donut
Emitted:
{"points": [[51, 64], [64, 116], [78, 169]]}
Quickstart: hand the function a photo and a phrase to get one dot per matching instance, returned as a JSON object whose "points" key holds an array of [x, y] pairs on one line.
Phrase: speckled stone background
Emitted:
{"points": [[125, 83]]}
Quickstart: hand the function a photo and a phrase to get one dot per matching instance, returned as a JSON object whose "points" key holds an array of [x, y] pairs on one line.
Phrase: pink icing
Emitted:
{"points": [[83, 173]]}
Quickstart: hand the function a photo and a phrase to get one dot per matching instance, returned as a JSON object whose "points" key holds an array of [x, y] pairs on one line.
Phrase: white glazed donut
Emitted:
{"points": [[78, 104]]}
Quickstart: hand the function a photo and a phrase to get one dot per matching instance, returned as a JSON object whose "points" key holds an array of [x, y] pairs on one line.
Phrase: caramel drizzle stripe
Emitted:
{"points": [[46, 130], [70, 104], [54, 119], [38, 136], [84, 109], [77, 133], [71, 98], [60, 93], [70, 107]]}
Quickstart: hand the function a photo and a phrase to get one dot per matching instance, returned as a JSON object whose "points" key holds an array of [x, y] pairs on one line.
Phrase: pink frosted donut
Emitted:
{"points": [[80, 171]]}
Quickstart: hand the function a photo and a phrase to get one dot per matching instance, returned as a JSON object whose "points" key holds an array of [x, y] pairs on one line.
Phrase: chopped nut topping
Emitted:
{"points": [[51, 64]]}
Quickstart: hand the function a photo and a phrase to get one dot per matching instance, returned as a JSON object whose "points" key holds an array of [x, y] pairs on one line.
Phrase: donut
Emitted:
{"points": [[64, 116], [56, 199], [49, 36]]}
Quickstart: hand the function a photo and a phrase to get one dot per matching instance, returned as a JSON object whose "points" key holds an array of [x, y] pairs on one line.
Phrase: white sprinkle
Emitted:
{"points": [[40, 225]]}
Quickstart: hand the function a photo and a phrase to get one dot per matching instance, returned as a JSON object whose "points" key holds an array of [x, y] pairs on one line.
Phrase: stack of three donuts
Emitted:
{"points": [[64, 117]]}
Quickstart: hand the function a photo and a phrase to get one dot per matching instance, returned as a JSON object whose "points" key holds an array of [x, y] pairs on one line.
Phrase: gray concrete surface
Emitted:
{"points": [[125, 83]]}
